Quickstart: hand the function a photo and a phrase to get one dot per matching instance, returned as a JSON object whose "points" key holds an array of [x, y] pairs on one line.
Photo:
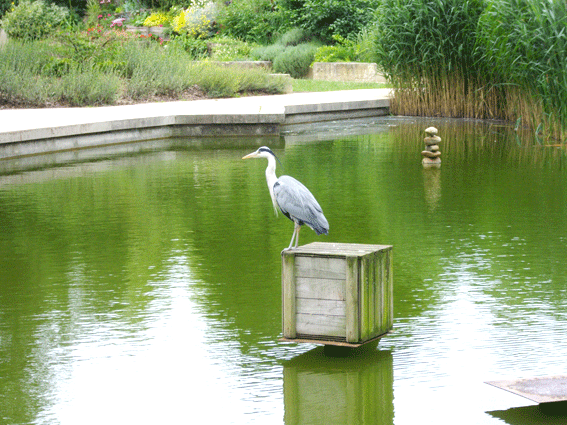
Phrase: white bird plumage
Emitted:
{"points": [[293, 199]]}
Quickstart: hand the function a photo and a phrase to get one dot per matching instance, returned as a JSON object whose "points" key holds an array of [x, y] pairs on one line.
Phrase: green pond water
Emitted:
{"points": [[142, 286]]}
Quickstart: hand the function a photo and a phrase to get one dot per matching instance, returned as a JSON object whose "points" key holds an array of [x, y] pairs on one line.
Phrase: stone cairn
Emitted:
{"points": [[431, 154]]}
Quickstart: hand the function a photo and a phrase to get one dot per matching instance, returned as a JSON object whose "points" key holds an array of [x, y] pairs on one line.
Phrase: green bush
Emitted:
{"points": [[344, 51], [81, 86], [223, 81], [295, 60], [196, 47], [267, 53], [326, 18], [257, 21], [229, 49], [33, 20], [5, 6], [294, 36]]}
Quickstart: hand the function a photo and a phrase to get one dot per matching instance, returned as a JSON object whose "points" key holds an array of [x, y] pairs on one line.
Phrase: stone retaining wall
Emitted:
{"points": [[347, 71]]}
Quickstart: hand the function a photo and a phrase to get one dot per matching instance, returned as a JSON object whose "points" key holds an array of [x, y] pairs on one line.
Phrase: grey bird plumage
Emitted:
{"points": [[293, 199]]}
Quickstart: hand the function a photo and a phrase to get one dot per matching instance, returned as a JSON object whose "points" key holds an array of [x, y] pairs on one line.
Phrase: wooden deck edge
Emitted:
{"points": [[331, 342]]}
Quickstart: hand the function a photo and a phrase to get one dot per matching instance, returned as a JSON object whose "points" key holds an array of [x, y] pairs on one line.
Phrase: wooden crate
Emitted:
{"points": [[339, 294]]}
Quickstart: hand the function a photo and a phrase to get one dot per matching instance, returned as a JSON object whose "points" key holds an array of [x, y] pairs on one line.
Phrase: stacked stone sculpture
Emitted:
{"points": [[431, 154]]}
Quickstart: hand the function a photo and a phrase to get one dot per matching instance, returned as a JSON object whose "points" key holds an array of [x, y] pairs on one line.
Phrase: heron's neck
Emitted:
{"points": [[271, 178]]}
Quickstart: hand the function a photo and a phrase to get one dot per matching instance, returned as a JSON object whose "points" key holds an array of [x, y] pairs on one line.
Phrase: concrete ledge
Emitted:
{"points": [[267, 65], [26, 132], [347, 71]]}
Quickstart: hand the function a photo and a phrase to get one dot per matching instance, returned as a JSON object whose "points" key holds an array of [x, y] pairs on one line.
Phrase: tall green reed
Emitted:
{"points": [[477, 58], [427, 49], [524, 45]]}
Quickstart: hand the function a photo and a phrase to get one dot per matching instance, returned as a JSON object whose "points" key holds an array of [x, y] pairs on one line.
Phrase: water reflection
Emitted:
{"points": [[144, 286], [545, 414], [357, 389]]}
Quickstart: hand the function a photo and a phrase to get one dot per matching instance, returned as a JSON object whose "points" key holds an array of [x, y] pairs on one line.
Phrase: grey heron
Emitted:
{"points": [[293, 199]]}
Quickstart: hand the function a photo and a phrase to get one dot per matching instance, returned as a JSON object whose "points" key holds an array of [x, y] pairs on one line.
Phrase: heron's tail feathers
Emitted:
{"points": [[320, 226]]}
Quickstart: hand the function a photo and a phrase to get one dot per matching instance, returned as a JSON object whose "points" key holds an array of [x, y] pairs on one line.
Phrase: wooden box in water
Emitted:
{"points": [[338, 294]]}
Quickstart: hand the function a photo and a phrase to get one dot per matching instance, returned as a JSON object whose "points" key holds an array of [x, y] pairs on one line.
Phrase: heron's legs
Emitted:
{"points": [[295, 236]]}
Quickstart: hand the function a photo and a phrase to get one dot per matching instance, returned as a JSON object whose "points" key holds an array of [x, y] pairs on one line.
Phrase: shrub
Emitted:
{"points": [[267, 53], [5, 6], [20, 79], [33, 20], [326, 18], [229, 49], [157, 19], [214, 80], [222, 81], [197, 21], [344, 51], [295, 60], [256, 21], [82, 86], [195, 47], [294, 36]]}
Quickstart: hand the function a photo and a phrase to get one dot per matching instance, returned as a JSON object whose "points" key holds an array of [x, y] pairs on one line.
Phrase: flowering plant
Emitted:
{"points": [[197, 21], [156, 19], [117, 23]]}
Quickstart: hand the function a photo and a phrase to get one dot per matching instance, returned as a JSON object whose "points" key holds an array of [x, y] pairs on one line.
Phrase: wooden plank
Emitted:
{"points": [[379, 297], [288, 295], [371, 305], [312, 324], [352, 300], [364, 296], [389, 284], [320, 307], [339, 249], [330, 341], [328, 289], [320, 267]]}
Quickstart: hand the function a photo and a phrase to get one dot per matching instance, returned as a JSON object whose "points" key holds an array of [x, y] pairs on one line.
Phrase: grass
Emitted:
{"points": [[303, 85]]}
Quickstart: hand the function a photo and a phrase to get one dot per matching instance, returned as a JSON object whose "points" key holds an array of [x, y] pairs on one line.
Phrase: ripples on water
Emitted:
{"points": [[146, 288]]}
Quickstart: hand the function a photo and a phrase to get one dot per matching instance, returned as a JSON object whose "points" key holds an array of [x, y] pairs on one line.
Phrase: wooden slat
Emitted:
{"points": [[389, 284], [320, 307], [379, 293], [328, 289], [364, 296], [288, 296], [312, 324], [320, 267], [352, 300], [339, 249]]}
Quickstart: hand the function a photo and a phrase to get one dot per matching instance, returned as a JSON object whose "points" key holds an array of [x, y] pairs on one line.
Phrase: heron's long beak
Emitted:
{"points": [[250, 155]]}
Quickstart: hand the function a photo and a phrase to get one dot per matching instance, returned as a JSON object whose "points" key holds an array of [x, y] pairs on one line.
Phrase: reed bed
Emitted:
{"points": [[492, 59]]}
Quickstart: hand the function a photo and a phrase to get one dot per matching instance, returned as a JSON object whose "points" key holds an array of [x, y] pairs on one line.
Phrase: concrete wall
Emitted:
{"points": [[347, 71]]}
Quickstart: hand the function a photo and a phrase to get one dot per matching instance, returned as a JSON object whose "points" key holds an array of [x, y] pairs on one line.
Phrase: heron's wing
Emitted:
{"points": [[297, 202]]}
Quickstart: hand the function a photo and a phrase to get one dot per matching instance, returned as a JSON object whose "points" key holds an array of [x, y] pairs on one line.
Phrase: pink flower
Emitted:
{"points": [[117, 22], [99, 16]]}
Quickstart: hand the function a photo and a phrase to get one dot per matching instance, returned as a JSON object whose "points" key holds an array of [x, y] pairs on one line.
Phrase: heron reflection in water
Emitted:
{"points": [[294, 200]]}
